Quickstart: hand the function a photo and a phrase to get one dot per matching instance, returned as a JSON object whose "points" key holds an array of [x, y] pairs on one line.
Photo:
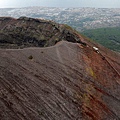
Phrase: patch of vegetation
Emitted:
{"points": [[91, 72], [68, 27], [108, 37], [30, 57], [86, 99]]}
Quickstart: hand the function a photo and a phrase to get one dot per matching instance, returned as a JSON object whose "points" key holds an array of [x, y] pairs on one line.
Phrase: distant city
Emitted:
{"points": [[78, 18]]}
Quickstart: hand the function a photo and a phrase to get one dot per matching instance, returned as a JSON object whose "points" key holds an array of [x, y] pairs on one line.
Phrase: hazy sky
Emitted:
{"points": [[61, 3]]}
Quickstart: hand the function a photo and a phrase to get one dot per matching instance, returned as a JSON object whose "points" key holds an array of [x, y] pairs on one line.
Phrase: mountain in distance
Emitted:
{"points": [[57, 75], [108, 37]]}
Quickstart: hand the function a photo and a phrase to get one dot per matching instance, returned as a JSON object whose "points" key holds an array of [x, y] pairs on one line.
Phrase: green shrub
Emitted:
{"points": [[30, 57]]}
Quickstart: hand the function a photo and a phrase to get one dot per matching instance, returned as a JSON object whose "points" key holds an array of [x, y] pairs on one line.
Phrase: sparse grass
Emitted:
{"points": [[68, 27], [30, 57], [91, 72], [86, 99]]}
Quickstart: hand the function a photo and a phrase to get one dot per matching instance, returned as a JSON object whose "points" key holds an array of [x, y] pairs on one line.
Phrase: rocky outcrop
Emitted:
{"points": [[30, 32]]}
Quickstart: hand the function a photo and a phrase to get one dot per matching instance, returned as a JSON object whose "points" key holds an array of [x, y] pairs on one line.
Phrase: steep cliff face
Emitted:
{"points": [[26, 32], [67, 81]]}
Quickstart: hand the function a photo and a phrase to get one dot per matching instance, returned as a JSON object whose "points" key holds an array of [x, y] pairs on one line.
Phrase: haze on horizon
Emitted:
{"points": [[58, 3]]}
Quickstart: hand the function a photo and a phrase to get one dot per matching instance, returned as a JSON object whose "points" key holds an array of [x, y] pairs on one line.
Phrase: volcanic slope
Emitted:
{"points": [[67, 81], [63, 82]]}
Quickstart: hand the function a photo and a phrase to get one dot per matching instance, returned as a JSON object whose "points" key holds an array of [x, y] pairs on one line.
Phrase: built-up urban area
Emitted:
{"points": [[78, 18]]}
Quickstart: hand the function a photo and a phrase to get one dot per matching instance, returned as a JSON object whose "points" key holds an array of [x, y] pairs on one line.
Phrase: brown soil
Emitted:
{"points": [[68, 81]]}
